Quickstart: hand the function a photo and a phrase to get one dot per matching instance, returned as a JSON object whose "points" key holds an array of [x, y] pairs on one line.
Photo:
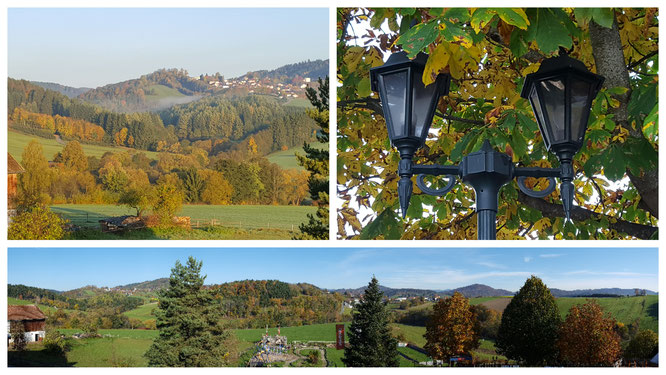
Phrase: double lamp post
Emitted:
{"points": [[561, 94]]}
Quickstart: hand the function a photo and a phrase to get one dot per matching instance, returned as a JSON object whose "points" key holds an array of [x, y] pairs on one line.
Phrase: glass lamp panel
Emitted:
{"points": [[580, 108], [423, 97], [552, 96], [395, 87], [538, 113]]}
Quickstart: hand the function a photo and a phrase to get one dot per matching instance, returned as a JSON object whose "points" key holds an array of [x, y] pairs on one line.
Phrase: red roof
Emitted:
{"points": [[13, 166], [25, 312]]}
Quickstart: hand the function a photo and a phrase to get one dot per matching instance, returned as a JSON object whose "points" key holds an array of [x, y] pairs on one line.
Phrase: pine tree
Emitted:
{"points": [[316, 162], [190, 323], [370, 340], [530, 323]]}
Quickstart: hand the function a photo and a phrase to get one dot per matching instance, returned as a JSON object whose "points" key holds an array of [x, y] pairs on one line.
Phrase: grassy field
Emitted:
{"points": [[161, 92], [242, 217], [314, 332], [143, 312], [17, 142], [44, 308], [623, 309], [412, 334], [414, 354], [287, 159]]}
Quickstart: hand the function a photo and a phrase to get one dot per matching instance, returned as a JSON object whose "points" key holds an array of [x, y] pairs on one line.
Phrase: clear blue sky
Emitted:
{"points": [[431, 268], [97, 46]]}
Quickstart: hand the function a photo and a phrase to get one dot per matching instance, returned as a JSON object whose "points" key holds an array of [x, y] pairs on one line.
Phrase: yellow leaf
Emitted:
{"points": [[437, 61], [353, 57], [530, 69]]}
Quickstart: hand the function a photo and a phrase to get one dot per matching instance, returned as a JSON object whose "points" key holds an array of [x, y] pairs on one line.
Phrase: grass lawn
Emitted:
{"points": [[143, 312], [298, 102], [414, 354], [314, 332], [207, 233], [243, 217], [412, 334], [161, 92], [287, 159], [17, 142], [334, 357]]}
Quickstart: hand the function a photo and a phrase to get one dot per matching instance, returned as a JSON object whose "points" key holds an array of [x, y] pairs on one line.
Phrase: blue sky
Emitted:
{"points": [[97, 46], [431, 268]]}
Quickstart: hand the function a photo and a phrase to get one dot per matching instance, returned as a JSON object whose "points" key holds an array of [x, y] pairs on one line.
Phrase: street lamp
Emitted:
{"points": [[560, 92]]}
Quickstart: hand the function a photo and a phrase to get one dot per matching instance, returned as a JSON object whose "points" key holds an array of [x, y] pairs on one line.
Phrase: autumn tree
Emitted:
{"points": [[73, 157], [529, 328], [34, 182], [316, 162], [488, 52], [190, 323], [36, 223], [588, 338], [643, 346], [166, 201], [217, 189], [452, 328], [370, 340]]}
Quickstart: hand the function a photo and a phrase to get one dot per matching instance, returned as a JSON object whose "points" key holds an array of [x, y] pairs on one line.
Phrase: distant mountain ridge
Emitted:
{"points": [[71, 92], [307, 69], [469, 291]]}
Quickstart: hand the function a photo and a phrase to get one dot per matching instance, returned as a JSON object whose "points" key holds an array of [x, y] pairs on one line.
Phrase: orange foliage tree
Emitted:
{"points": [[452, 328], [588, 338]]}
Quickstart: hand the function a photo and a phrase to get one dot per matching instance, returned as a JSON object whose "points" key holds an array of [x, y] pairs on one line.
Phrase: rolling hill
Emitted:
{"points": [[71, 92]]}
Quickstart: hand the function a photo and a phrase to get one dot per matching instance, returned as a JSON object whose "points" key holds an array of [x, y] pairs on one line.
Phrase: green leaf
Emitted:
{"points": [[418, 37], [518, 144], [517, 43], [459, 148], [454, 33], [593, 165], [386, 224], [651, 123], [643, 99], [378, 18], [513, 16], [415, 209], [547, 30], [481, 18], [614, 163], [527, 123], [459, 15], [603, 16], [597, 135], [364, 87]]}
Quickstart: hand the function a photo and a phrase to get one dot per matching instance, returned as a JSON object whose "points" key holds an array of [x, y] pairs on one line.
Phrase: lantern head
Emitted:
{"points": [[561, 94]]}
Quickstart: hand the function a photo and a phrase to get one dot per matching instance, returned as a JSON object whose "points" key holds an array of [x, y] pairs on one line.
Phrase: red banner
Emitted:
{"points": [[339, 336]]}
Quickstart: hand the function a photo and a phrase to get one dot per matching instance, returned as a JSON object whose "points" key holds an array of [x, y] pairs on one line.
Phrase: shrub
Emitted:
{"points": [[644, 346], [56, 343], [39, 223]]}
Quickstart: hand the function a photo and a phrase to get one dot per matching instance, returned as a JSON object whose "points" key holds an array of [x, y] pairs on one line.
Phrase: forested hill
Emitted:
{"points": [[158, 90], [259, 123], [71, 92], [310, 69]]}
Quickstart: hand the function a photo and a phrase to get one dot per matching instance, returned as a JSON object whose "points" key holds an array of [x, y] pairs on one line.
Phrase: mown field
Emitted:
{"points": [[243, 217], [287, 159], [143, 312], [44, 308], [16, 142]]}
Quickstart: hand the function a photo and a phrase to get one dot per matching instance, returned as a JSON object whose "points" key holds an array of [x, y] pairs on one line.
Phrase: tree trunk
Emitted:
{"points": [[609, 60]]}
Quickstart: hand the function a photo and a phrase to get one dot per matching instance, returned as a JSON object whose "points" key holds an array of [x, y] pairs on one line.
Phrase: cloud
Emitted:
{"points": [[527, 259], [550, 255], [492, 265], [610, 273]]}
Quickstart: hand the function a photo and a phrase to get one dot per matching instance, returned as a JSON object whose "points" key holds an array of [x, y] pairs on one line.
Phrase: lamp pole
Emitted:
{"points": [[561, 94]]}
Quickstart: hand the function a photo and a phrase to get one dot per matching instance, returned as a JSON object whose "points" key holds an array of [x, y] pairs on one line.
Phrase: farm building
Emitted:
{"points": [[13, 170], [32, 318]]}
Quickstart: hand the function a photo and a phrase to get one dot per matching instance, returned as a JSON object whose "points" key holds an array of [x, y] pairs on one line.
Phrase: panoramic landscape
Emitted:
{"points": [[193, 143], [304, 307]]}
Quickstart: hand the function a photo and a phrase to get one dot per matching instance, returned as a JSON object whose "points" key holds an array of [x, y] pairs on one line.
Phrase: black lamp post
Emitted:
{"points": [[561, 93]]}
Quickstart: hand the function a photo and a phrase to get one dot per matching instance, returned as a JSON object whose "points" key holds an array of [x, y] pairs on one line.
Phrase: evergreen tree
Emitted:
{"points": [[316, 162], [190, 323], [370, 340], [530, 323]]}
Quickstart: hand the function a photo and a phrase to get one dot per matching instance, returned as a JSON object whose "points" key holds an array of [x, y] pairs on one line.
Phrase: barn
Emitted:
{"points": [[32, 318]]}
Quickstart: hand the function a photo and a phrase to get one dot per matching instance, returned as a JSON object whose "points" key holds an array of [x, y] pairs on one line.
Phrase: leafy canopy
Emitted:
{"points": [[488, 52]]}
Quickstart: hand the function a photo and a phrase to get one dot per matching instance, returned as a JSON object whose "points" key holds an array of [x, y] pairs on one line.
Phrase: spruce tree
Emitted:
{"points": [[529, 329], [316, 162], [370, 341], [189, 320]]}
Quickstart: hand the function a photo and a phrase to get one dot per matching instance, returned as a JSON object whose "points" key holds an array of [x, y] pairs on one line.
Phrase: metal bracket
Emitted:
{"points": [[422, 185], [533, 193]]}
